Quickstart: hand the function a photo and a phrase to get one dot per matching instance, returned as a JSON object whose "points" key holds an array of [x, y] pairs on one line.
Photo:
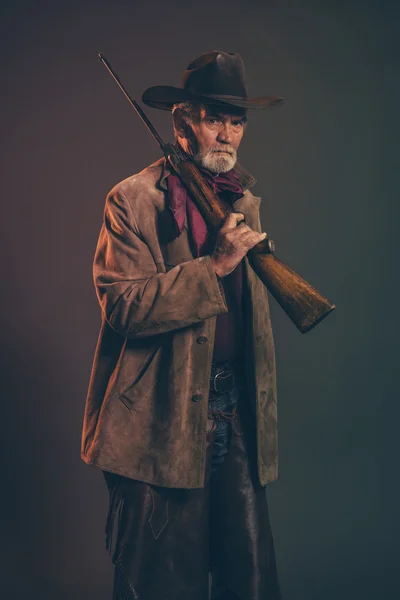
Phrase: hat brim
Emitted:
{"points": [[165, 96]]}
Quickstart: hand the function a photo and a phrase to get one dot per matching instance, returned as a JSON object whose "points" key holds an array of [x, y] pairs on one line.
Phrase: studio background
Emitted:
{"points": [[327, 170]]}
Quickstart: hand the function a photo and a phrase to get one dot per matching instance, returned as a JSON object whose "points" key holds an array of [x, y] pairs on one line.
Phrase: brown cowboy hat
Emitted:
{"points": [[216, 78]]}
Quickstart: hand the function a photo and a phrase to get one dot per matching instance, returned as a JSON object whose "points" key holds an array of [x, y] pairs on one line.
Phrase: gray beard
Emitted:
{"points": [[216, 162]]}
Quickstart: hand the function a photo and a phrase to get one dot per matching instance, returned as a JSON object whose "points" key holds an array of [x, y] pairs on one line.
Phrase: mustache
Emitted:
{"points": [[227, 149]]}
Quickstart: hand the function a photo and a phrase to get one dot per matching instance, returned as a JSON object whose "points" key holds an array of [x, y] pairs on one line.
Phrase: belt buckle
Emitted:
{"points": [[228, 375]]}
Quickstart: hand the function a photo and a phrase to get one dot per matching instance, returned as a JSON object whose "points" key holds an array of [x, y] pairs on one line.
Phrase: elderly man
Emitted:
{"points": [[181, 407]]}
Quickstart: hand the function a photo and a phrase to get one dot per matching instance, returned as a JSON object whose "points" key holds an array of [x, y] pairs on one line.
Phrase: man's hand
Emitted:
{"points": [[233, 242]]}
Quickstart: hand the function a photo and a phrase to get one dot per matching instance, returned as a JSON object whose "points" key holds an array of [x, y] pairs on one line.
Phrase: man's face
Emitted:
{"points": [[215, 138]]}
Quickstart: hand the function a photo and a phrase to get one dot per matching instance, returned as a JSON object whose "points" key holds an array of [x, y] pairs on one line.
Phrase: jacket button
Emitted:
{"points": [[197, 398], [202, 339]]}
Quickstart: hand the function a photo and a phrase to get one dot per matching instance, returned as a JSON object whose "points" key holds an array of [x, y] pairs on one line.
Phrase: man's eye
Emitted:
{"points": [[213, 121]]}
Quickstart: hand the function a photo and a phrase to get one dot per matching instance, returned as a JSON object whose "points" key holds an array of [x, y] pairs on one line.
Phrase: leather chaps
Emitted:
{"points": [[169, 540]]}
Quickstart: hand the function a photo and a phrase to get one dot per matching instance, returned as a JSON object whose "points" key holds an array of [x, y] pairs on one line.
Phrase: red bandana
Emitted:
{"points": [[228, 189]]}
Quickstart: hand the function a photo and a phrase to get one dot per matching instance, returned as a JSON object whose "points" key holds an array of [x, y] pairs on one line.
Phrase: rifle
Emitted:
{"points": [[303, 304]]}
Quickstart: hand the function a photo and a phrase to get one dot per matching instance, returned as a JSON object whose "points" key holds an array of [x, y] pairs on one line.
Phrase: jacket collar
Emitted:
{"points": [[246, 179]]}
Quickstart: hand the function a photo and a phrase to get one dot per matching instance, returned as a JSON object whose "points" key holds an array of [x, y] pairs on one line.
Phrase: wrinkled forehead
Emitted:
{"points": [[209, 110]]}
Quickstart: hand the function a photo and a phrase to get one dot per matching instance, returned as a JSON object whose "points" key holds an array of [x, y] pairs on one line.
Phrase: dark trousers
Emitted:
{"points": [[169, 539]]}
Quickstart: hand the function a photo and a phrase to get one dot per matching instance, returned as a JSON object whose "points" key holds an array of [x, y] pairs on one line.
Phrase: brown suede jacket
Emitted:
{"points": [[146, 408]]}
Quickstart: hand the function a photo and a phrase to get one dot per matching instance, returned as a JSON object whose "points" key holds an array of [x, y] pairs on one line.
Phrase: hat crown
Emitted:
{"points": [[216, 73], [216, 78]]}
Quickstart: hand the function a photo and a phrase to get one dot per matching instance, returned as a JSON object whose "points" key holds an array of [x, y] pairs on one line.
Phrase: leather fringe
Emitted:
{"points": [[114, 511], [122, 589]]}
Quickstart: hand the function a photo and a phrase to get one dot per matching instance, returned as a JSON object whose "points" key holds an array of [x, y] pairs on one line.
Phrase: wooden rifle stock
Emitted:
{"points": [[302, 303]]}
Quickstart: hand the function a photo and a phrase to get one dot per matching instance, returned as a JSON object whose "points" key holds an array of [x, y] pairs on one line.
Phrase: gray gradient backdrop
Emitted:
{"points": [[327, 169]]}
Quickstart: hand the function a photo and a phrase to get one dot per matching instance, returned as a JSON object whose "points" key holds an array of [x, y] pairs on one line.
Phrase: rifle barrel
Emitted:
{"points": [[134, 104]]}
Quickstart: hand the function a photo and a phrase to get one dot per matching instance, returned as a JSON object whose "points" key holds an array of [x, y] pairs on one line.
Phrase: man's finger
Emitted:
{"points": [[232, 220], [246, 233], [252, 237], [258, 238]]}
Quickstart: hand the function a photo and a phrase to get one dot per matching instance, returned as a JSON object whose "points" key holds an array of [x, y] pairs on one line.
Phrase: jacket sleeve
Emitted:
{"points": [[136, 300]]}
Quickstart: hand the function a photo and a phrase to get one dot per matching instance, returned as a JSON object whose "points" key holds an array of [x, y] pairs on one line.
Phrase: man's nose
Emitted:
{"points": [[225, 134]]}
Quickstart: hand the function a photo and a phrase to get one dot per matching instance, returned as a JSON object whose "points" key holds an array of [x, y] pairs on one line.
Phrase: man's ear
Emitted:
{"points": [[181, 126]]}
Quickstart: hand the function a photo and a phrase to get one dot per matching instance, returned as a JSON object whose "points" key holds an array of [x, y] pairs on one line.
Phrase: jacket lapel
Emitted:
{"points": [[249, 205]]}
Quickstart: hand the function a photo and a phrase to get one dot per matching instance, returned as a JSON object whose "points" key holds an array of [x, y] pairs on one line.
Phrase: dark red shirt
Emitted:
{"points": [[229, 337], [229, 327]]}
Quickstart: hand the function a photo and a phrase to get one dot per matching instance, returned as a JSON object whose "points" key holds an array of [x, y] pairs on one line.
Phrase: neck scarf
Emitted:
{"points": [[225, 185]]}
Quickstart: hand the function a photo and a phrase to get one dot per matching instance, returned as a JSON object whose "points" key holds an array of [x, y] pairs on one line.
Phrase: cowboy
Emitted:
{"points": [[181, 407]]}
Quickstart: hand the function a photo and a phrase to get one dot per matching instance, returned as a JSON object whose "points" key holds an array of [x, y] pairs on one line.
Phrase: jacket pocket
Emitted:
{"points": [[141, 385]]}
